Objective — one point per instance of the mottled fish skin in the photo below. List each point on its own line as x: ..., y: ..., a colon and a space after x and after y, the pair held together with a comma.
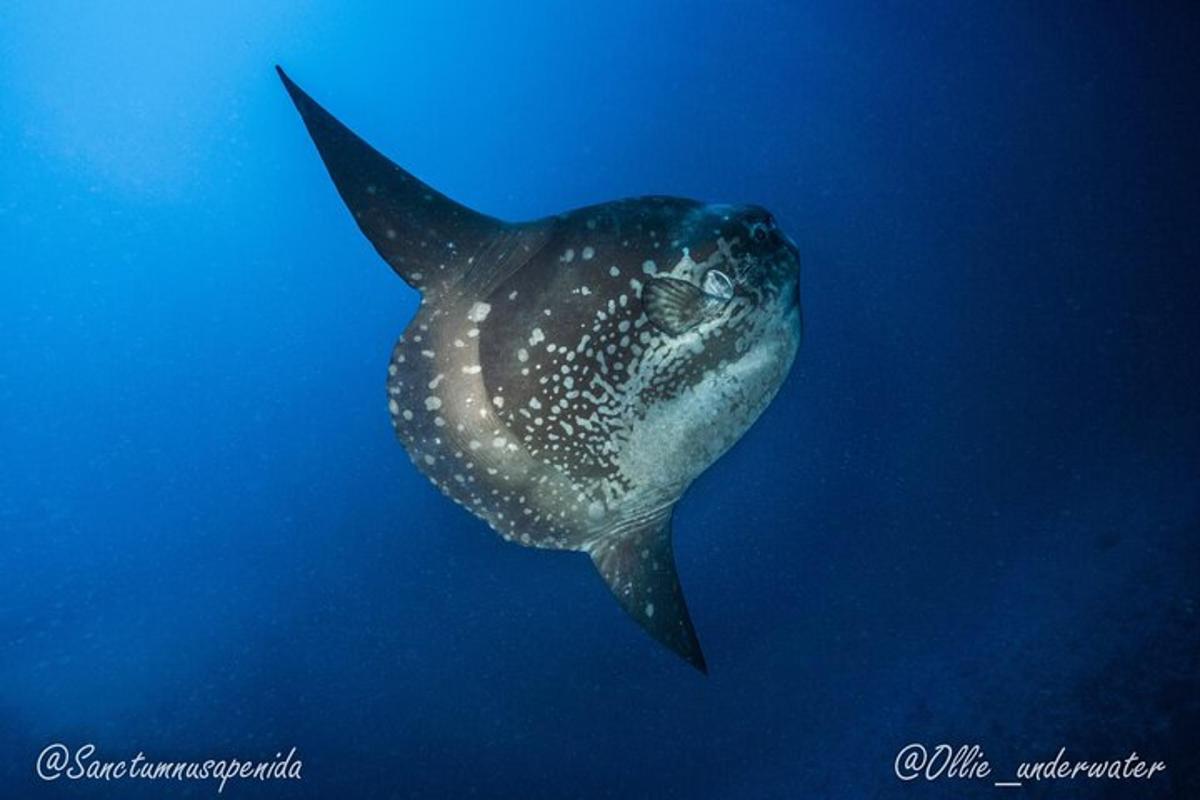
x: 537, y: 386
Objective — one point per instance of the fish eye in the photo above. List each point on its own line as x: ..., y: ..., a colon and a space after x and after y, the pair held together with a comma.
x: 717, y: 284
x: 760, y: 230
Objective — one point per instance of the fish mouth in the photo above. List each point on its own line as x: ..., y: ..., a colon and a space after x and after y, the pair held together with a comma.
x: 793, y: 315
x: 793, y: 299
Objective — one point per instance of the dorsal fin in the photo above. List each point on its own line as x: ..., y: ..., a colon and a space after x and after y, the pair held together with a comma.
x: 426, y: 237
x: 639, y: 567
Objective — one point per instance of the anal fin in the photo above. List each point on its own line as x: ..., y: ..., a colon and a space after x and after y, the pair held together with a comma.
x: 639, y: 568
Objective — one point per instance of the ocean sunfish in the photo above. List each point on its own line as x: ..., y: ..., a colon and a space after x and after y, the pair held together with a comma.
x: 566, y: 379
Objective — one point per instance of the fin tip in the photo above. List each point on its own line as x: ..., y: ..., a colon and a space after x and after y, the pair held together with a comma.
x: 298, y: 95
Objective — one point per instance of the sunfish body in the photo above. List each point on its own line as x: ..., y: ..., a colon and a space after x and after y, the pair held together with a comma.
x: 566, y: 379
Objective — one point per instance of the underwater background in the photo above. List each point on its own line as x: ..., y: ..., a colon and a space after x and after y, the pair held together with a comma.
x: 971, y: 516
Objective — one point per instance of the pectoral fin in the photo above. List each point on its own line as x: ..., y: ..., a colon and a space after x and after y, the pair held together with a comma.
x: 639, y: 568
x: 675, y: 306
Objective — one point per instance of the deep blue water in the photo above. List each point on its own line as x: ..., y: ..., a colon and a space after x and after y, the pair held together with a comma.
x: 971, y: 515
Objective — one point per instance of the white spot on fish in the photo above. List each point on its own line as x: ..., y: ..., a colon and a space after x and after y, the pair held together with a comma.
x: 479, y: 312
x: 433, y: 403
x: 588, y: 252
x: 536, y: 336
